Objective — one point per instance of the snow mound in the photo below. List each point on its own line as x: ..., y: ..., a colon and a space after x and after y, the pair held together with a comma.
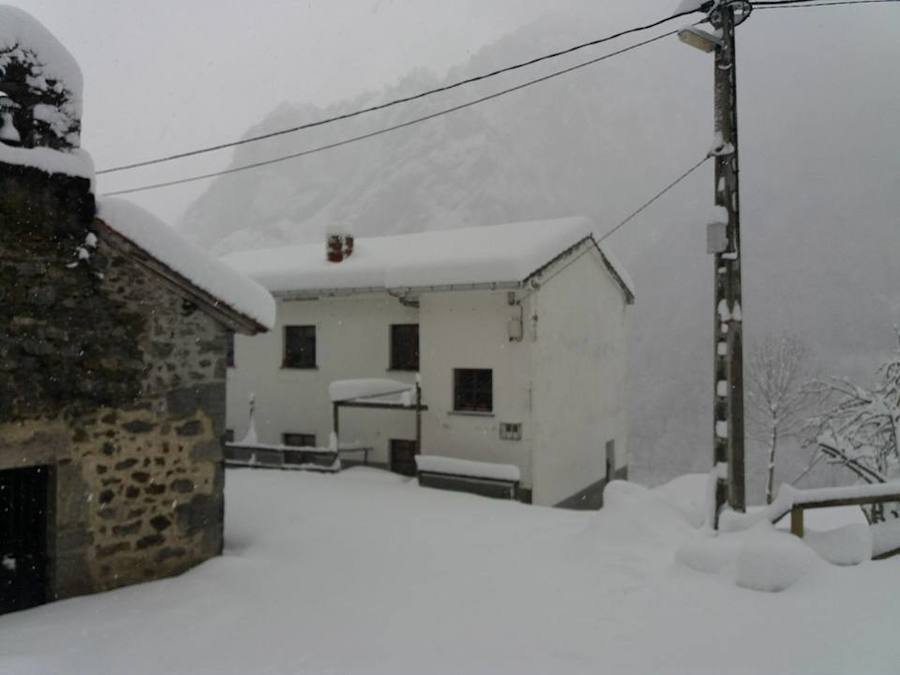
x: 687, y: 493
x: 772, y: 561
x: 189, y: 260
x: 848, y: 545
x: 632, y: 502
x: 707, y: 554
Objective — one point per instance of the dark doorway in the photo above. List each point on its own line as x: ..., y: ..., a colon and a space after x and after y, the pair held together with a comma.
x: 610, y: 460
x: 24, y: 497
x: 403, y: 457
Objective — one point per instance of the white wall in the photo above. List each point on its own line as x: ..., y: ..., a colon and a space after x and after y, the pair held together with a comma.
x: 564, y: 382
x: 352, y: 341
x: 580, y: 340
x: 468, y: 329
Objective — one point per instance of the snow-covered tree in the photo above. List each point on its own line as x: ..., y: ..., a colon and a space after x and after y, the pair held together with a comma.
x: 778, y: 394
x: 41, y: 83
x: 859, y: 428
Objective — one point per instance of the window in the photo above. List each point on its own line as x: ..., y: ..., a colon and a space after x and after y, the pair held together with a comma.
x: 229, y: 351
x: 473, y: 390
x: 299, y: 347
x: 228, y: 436
x: 405, y: 346
x: 299, y: 440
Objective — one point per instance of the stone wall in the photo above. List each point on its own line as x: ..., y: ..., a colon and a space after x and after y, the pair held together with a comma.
x: 110, y: 377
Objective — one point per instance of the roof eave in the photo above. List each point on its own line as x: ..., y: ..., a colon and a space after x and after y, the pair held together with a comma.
x: 315, y: 293
x: 215, y: 307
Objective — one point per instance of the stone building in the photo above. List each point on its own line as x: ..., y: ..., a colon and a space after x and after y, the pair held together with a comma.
x: 113, y: 348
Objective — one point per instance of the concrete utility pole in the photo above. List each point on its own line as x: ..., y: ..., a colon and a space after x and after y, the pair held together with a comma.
x: 724, y: 240
x: 728, y: 432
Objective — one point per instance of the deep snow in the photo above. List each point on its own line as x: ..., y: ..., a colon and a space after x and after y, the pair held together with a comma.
x: 364, y: 572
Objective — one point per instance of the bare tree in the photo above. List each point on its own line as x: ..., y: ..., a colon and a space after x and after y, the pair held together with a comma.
x: 859, y: 428
x: 778, y: 393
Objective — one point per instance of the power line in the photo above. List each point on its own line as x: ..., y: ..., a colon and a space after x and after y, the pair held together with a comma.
x: 395, y: 127
x: 398, y: 101
x: 650, y: 201
x: 800, y: 4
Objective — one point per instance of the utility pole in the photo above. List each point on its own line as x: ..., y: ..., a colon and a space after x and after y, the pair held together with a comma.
x: 728, y: 406
x: 724, y: 240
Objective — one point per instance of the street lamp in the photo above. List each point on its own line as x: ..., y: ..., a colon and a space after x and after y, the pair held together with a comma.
x: 700, y: 39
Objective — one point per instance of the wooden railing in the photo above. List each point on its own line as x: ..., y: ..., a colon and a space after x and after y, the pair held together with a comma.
x: 794, y: 501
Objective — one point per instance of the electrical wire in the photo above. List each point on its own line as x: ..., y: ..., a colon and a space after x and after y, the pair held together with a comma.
x: 778, y: 4
x: 395, y: 127
x: 830, y: 3
x: 405, y: 99
x: 655, y: 197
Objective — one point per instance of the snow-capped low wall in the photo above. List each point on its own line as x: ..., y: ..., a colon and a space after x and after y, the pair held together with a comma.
x: 466, y: 467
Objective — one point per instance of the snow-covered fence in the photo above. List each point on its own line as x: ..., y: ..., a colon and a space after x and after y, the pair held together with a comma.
x: 794, y: 501
x: 260, y: 455
x: 500, y: 481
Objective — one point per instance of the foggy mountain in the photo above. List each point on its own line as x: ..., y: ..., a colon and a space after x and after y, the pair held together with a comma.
x: 820, y: 161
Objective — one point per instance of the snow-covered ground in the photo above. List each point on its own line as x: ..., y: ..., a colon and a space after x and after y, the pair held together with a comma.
x: 364, y: 572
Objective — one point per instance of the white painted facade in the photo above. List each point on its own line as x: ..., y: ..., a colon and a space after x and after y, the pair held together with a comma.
x: 563, y: 381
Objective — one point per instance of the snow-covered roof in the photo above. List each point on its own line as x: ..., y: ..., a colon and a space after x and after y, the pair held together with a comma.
x: 164, y: 244
x: 493, y: 254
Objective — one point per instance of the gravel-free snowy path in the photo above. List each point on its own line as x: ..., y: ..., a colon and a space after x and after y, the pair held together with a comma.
x: 363, y: 572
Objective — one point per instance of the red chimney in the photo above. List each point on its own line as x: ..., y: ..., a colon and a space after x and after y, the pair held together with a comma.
x: 335, y: 248
x: 339, y: 245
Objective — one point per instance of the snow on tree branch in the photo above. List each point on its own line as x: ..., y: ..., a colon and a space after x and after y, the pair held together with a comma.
x: 859, y: 427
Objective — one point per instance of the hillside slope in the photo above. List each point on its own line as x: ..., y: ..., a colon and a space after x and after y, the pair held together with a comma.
x: 820, y: 171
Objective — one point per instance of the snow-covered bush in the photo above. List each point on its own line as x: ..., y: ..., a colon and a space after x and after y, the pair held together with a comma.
x: 859, y: 429
x: 42, y: 79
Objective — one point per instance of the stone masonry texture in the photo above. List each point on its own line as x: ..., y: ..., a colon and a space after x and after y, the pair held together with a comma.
x: 113, y: 380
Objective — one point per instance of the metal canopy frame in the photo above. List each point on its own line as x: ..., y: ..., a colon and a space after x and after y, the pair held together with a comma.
x: 356, y: 403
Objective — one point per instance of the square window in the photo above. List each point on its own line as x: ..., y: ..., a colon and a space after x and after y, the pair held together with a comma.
x: 299, y: 347
x: 298, y: 440
x: 473, y: 390
x: 405, y: 346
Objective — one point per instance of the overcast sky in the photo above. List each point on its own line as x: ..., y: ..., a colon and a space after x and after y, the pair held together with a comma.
x: 167, y: 75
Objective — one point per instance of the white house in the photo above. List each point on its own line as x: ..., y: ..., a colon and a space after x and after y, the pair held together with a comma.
x: 518, y: 333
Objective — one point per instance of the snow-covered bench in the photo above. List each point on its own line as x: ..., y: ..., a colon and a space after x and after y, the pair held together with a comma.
x: 794, y: 501
x: 462, y: 475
